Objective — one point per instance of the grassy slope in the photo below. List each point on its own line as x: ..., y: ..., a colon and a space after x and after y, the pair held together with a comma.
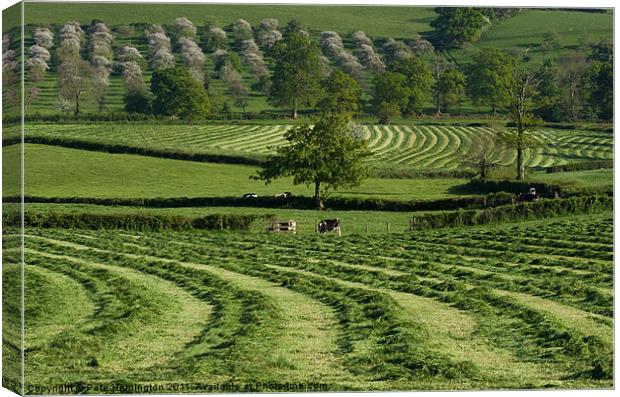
x: 53, y: 171
x: 11, y: 17
x: 407, y: 147
x: 597, y: 179
x: 399, y: 22
x: 527, y: 29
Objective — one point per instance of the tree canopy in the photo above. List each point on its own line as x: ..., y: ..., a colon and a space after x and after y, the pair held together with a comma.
x: 599, y: 81
x: 341, y: 94
x: 454, y: 26
x: 296, y: 80
x: 390, y: 95
x: 449, y: 89
x: 418, y: 83
x: 522, y: 90
x: 178, y: 94
x: 328, y: 155
x: 488, y: 77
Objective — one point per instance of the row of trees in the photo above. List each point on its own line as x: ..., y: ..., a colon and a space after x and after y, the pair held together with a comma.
x: 574, y: 86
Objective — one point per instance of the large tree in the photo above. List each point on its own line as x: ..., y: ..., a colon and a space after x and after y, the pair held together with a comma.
x: 418, y: 81
x: 572, y: 68
x: 390, y: 95
x: 455, y: 26
x: 296, y: 80
x: 522, y: 89
x: 177, y: 94
x: 487, y: 78
x: 548, y: 98
x: 599, y: 81
x: 449, y: 89
x: 341, y: 94
x: 73, y: 81
x: 328, y: 154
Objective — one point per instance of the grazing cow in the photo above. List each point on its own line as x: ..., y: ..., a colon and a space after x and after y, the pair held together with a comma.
x: 250, y: 195
x: 531, y: 196
x: 283, y: 195
x: 329, y: 225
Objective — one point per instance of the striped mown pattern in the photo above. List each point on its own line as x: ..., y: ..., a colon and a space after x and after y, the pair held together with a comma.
x: 422, y: 146
x: 512, y: 306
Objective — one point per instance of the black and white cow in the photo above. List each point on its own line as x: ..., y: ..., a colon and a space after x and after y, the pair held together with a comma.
x: 283, y: 195
x: 329, y: 225
x: 531, y: 196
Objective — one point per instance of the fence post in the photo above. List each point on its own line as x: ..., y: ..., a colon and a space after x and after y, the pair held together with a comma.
x: 388, y: 227
x: 221, y: 223
x: 366, y: 228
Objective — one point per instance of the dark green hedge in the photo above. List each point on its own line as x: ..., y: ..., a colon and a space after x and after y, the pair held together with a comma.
x: 405, y: 173
x: 581, y: 166
x: 144, y: 222
x: 128, y: 117
x: 124, y: 149
x: 297, y: 202
x: 516, y: 187
x: 521, y: 211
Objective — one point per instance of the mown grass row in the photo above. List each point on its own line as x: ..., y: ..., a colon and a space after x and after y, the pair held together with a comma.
x: 425, y: 147
x: 376, y: 343
x: 12, y: 310
x: 553, y: 337
x: 556, y: 340
x: 228, y: 344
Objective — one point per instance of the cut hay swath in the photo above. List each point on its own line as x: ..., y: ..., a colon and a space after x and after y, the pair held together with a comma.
x: 513, y: 306
x: 418, y: 147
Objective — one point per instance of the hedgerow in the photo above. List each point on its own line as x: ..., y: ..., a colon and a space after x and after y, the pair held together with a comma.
x: 150, y: 222
x: 521, y: 211
x: 581, y: 166
x: 297, y: 202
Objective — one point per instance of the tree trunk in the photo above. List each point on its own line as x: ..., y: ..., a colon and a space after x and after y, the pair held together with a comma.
x: 77, y: 104
x: 317, y: 195
x: 295, y: 108
x: 520, y: 163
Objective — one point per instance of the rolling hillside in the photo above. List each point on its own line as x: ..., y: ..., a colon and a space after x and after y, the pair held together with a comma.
x: 414, y: 147
x: 525, y: 30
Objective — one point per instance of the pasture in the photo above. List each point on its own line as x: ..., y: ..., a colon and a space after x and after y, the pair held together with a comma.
x: 353, y: 222
x: 80, y: 173
x: 512, y: 305
x: 430, y: 147
x: 524, y: 305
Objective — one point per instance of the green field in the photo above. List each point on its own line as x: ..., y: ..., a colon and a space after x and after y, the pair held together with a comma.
x: 513, y: 305
x: 353, y: 222
x: 404, y: 146
x: 399, y: 22
x: 79, y: 173
x: 597, y: 179
x: 516, y: 306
